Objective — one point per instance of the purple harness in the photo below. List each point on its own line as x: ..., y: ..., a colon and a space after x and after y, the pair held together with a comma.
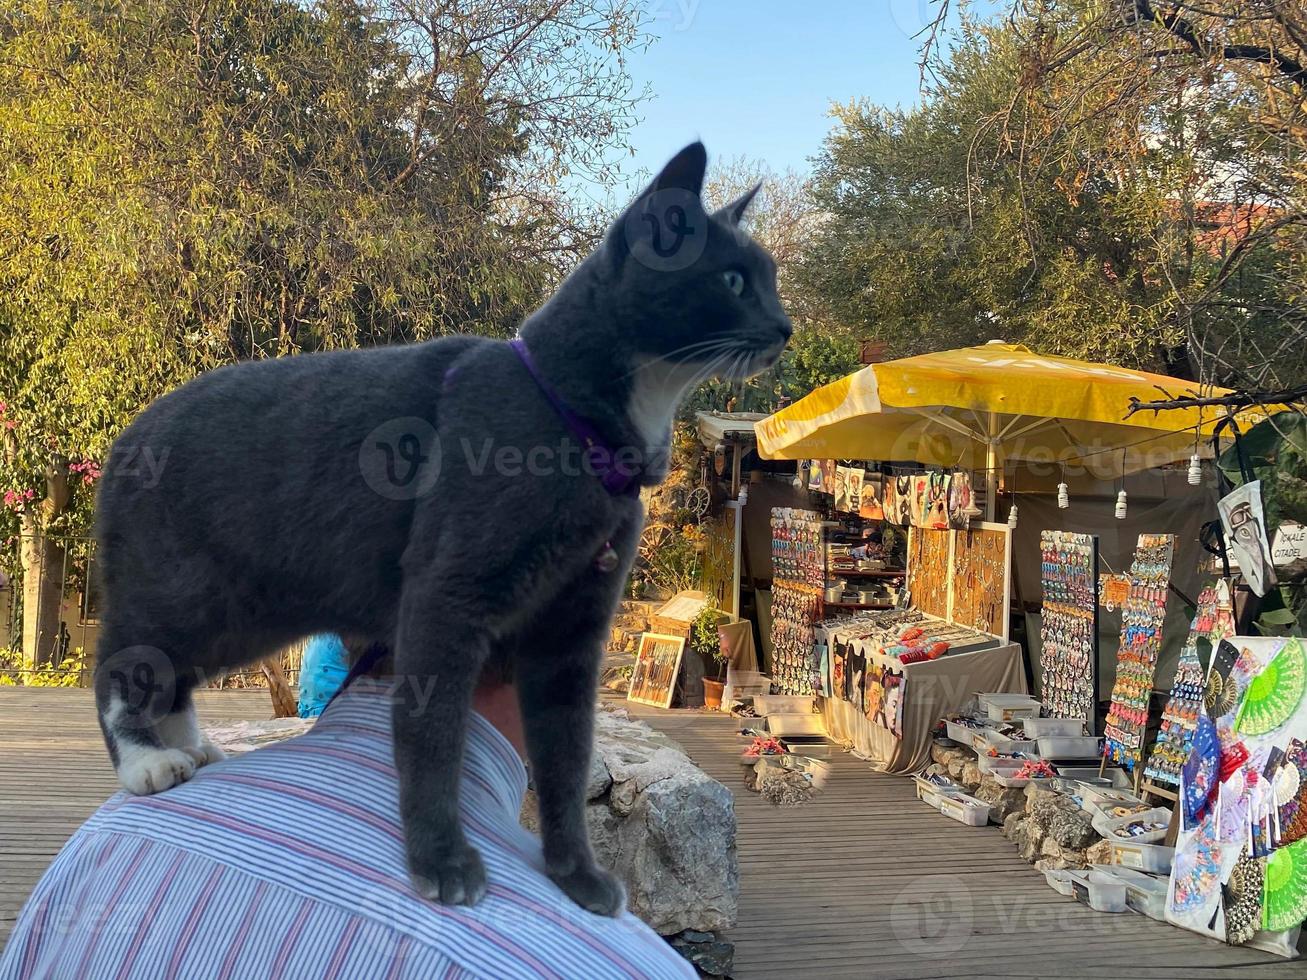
x: 619, y: 481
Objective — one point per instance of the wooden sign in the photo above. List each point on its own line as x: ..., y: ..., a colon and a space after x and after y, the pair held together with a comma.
x: 657, y: 662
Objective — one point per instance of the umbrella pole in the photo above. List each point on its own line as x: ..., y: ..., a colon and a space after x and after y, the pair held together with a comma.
x: 991, y: 469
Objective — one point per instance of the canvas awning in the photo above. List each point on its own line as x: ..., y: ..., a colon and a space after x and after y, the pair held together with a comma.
x: 979, y: 407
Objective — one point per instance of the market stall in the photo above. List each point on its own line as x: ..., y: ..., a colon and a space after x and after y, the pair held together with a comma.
x: 882, y: 693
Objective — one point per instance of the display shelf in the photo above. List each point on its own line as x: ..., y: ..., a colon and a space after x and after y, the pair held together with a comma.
x: 859, y: 605
x: 883, y: 573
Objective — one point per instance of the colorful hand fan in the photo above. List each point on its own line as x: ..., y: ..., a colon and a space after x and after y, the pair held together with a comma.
x: 1200, y: 772
x: 1220, y: 695
x: 1291, y: 795
x: 1243, y: 901
x: 1285, y: 899
x: 1197, y: 871
x: 1274, y: 695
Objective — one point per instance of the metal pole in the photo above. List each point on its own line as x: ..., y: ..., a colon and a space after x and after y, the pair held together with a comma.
x: 991, y: 469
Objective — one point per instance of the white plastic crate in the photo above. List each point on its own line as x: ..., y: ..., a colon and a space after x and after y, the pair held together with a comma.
x: 1069, y: 747
x: 1101, y: 892
x: 992, y: 765
x: 1144, y: 893
x: 1152, y: 858
x: 1111, y: 827
x: 965, y: 809
x: 962, y: 734
x: 782, y: 704
x: 1049, y: 727
x: 1008, y: 707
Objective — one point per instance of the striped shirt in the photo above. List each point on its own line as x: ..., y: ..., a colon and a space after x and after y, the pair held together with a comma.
x: 289, y: 862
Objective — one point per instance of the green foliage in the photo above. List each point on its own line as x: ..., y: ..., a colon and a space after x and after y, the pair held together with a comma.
x: 187, y: 185
x: 675, y: 565
x: 703, y: 635
x: 1063, y: 186
x: 69, y: 673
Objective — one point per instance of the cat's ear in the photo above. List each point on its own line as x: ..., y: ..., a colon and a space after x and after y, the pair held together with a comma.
x: 666, y: 226
x: 733, y: 213
x: 684, y: 171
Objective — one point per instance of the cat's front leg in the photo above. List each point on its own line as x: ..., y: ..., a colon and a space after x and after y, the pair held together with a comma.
x: 437, y: 662
x: 557, y: 671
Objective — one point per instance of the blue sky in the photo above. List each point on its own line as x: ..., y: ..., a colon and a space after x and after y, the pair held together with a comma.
x: 756, y: 78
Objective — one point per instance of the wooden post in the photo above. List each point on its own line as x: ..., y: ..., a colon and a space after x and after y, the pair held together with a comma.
x: 283, y: 699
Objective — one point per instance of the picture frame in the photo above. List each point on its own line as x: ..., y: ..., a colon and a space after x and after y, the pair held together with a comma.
x: 657, y: 665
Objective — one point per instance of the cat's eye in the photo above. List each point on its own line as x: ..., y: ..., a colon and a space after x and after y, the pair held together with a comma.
x: 734, y: 280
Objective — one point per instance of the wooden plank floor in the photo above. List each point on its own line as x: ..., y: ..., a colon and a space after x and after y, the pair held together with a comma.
x: 863, y: 881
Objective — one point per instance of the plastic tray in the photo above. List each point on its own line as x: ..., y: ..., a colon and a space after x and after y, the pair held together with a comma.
x: 991, y: 738
x: 929, y: 792
x: 1044, y: 727
x: 780, y: 704
x: 1089, y: 774
x: 1153, y: 858
x: 961, y: 734
x: 964, y: 809
x: 1097, y: 889
x: 1009, y: 707
x: 1070, y: 747
x: 1108, y: 826
x: 1059, y: 881
x: 1144, y: 893
x: 795, y: 724
x: 1012, y: 782
x: 992, y: 765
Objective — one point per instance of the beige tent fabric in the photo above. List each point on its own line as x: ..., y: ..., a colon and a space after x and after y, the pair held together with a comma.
x: 933, y: 689
x: 737, y: 643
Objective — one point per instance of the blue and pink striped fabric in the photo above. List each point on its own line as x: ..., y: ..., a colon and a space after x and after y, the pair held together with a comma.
x: 288, y: 862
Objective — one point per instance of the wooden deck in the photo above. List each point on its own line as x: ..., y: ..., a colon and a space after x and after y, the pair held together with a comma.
x: 863, y: 881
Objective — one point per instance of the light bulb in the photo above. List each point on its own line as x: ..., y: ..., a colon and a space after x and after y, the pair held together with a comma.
x: 1195, y: 470
x: 1012, y: 516
x: 1120, y: 506
x: 1063, y: 496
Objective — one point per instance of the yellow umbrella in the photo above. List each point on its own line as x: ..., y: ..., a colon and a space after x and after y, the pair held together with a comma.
x: 979, y: 407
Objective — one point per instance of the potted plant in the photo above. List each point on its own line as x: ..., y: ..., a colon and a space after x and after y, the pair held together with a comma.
x: 707, y: 644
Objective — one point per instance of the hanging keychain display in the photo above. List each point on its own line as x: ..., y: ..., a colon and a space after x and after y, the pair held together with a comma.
x: 1213, y: 621
x: 798, y: 577
x: 1068, y: 654
x: 1141, y: 641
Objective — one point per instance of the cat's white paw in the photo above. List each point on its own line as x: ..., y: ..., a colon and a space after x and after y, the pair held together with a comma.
x: 144, y: 771
x: 205, y: 753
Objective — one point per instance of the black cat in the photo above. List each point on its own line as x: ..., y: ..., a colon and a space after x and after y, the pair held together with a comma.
x: 447, y: 499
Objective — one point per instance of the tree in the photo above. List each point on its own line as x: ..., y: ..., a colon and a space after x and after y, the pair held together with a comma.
x: 192, y: 182
x: 1087, y: 179
x: 1208, y: 104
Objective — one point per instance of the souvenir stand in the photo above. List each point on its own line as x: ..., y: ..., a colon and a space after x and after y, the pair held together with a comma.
x: 888, y: 660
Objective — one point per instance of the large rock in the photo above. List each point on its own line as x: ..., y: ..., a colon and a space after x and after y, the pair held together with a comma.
x: 1029, y: 838
x: 665, y: 828
x: 1071, y: 827
x: 1012, y: 824
x: 1056, y: 857
x: 1003, y: 801
x: 971, y: 775
x: 1100, y: 853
